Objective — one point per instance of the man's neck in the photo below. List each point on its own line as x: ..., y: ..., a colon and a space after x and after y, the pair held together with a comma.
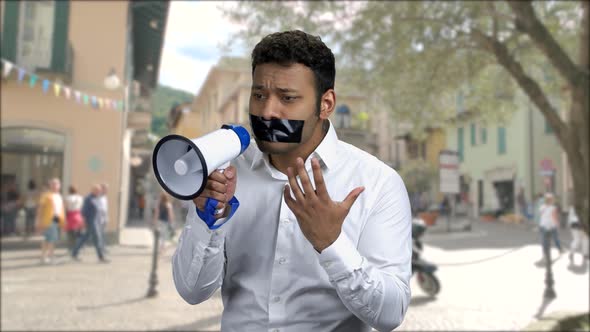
x: 282, y: 161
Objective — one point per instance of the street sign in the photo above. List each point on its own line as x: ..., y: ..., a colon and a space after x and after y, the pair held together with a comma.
x: 449, y: 172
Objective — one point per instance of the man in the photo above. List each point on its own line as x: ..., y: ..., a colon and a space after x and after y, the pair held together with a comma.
x: 50, y: 219
x: 11, y: 204
x: 548, y: 223
x: 309, y: 256
x: 103, y: 207
x: 91, y: 214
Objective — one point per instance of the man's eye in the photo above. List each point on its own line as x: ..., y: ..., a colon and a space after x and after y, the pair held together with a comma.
x: 257, y: 95
x: 289, y: 98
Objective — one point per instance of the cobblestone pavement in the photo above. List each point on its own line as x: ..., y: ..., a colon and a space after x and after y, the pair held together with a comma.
x: 489, y: 282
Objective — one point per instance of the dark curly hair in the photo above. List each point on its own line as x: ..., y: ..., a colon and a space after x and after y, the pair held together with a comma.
x: 296, y: 46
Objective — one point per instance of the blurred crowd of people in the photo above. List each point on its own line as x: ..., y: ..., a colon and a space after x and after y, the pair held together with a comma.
x: 44, y: 211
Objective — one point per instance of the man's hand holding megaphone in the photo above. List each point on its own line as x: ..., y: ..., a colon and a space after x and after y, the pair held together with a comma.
x: 221, y: 186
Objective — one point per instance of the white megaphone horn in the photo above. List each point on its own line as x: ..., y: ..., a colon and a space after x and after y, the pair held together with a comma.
x: 182, y: 165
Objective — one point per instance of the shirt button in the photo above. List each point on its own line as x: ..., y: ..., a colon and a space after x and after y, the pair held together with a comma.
x: 282, y: 261
x: 276, y: 299
x: 285, y: 221
x: 275, y: 330
x: 326, y: 264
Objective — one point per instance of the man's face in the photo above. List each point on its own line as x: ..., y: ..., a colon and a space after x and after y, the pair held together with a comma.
x: 284, y: 92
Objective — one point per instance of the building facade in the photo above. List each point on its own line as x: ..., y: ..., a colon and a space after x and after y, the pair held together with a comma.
x: 498, y: 159
x: 59, y: 117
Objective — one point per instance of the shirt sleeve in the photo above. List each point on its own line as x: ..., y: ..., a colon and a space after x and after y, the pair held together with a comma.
x: 198, y: 263
x: 372, y: 279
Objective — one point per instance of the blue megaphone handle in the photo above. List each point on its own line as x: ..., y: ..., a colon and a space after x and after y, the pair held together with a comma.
x: 208, y: 215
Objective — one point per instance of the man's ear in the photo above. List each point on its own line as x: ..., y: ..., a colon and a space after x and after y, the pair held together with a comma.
x: 327, y: 104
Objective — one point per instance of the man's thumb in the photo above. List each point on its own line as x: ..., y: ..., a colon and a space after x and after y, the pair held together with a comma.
x: 352, y: 196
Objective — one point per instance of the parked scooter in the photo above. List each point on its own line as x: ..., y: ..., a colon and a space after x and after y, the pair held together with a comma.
x: 424, y: 270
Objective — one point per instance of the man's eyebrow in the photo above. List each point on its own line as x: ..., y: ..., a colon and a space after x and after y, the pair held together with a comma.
x: 282, y: 90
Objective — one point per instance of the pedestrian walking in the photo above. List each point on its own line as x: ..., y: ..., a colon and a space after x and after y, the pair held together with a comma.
x: 549, y: 222
x: 74, y: 220
x: 50, y: 219
x: 90, y: 213
x: 31, y: 201
x: 579, y: 237
x: 11, y: 204
x: 103, y: 207
x: 163, y: 220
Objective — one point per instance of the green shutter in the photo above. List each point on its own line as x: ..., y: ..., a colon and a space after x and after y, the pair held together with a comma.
x: 10, y: 29
x: 60, y: 35
x: 473, y: 134
x: 460, y: 143
x: 501, y: 140
x: 484, y: 135
x: 548, y: 128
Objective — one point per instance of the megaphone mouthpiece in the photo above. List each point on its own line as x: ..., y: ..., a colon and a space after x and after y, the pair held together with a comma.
x: 189, y: 163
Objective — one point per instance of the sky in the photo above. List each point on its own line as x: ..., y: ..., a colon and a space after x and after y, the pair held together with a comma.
x: 194, y: 31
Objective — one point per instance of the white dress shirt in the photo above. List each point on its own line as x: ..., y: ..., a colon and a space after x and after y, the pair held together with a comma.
x: 271, y: 277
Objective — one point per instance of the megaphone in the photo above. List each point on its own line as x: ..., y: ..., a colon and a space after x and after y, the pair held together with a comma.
x: 182, y: 165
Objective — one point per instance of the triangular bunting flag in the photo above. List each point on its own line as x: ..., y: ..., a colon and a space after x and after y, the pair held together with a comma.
x: 77, y: 95
x: 32, y: 80
x: 67, y: 92
x: 93, y: 101
x: 56, y: 89
x: 6, y: 68
x: 21, y: 74
x: 100, y: 103
x: 45, y: 86
x: 85, y: 99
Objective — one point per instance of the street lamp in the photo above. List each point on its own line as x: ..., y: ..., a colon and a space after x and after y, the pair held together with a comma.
x: 153, y: 282
x: 112, y: 81
x: 549, y: 293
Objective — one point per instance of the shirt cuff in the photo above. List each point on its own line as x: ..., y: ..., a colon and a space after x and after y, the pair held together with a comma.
x: 198, y: 230
x: 341, y: 258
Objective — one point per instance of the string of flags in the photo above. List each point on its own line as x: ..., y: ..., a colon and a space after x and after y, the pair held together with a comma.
x: 60, y: 89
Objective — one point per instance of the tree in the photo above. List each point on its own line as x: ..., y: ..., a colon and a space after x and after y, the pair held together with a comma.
x: 416, y: 57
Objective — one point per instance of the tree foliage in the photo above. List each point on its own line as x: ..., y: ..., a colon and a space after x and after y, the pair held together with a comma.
x: 424, y: 59
x: 163, y: 99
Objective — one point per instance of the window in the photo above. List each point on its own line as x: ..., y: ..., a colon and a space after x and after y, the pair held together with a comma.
x: 501, y: 140
x: 35, y: 34
x: 473, y: 135
x: 548, y: 128
x: 343, y: 115
x: 483, y: 132
x: 460, y: 142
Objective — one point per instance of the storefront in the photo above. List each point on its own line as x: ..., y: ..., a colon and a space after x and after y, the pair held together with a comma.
x: 32, y: 154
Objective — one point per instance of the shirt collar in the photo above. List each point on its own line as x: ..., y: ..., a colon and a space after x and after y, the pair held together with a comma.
x: 326, y: 152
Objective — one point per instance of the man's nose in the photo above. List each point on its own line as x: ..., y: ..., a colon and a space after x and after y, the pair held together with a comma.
x: 270, y: 109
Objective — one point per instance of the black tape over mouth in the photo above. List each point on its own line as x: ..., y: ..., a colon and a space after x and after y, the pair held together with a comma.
x: 277, y: 130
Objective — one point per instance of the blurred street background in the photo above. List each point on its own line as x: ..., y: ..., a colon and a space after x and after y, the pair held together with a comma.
x: 481, y: 107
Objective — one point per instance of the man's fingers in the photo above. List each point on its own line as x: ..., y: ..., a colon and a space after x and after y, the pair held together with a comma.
x: 215, y: 195
x: 216, y: 186
x: 294, y: 185
x: 318, y: 178
x: 218, y: 176
x: 352, y: 196
x: 288, y: 198
x: 305, y: 182
x: 230, y: 172
x: 200, y: 203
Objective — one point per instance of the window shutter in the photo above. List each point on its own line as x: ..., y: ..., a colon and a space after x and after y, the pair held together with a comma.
x: 10, y: 29
x: 60, y: 35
